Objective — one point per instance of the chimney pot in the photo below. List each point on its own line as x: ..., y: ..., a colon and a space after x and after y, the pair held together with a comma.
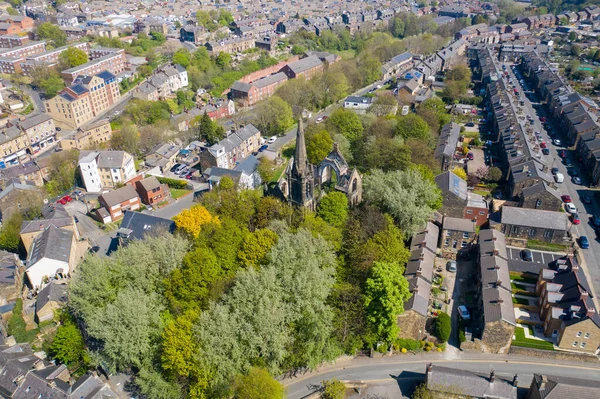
x: 515, y: 380
x: 492, y: 376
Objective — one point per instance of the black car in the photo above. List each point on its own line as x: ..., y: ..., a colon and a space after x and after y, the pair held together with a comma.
x: 573, y: 172
x: 546, y: 151
x: 470, y: 124
x: 95, y: 249
x: 175, y: 167
x: 568, y: 162
x: 555, y: 171
x: 526, y: 255
x: 58, y: 129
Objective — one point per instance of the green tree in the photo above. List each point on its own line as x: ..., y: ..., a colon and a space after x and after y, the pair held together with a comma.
x: 258, y: 384
x: 127, y: 139
x: 333, y: 208
x: 334, y: 389
x: 386, y: 290
x: 49, y: 31
x: 68, y: 346
x: 10, y: 237
x: 443, y: 327
x: 347, y: 123
x: 179, y: 346
x: 182, y: 57
x: 223, y: 59
x: 12, y: 11
x: 207, y: 130
x: 349, y: 323
x: 274, y: 116
x: 72, y: 57
x: 572, y: 36
x: 63, y: 171
x: 406, y: 195
x: 256, y: 247
x: 494, y: 174
x: 385, y: 154
x: 412, y: 126
x: 318, y: 145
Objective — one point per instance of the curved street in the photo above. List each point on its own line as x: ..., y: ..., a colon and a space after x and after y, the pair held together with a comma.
x: 404, y: 372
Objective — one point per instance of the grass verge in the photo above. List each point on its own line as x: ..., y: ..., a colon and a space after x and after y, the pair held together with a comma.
x: 519, y: 278
x: 178, y: 192
x: 545, y: 246
x: 520, y: 340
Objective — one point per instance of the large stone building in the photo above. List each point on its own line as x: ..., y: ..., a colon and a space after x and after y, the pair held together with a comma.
x: 90, y: 136
x: 238, y: 145
x: 86, y: 99
x: 113, y: 62
x: 302, y: 183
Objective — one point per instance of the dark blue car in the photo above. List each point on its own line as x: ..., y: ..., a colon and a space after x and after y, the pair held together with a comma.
x: 583, y: 242
x: 263, y: 147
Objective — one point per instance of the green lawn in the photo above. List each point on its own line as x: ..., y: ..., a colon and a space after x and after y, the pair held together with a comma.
x: 520, y: 340
x: 519, y: 278
x: 544, y: 246
x: 178, y: 192
x: 520, y: 301
x: 517, y: 287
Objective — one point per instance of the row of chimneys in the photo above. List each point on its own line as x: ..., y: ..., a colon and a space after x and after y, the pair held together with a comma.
x: 492, y: 377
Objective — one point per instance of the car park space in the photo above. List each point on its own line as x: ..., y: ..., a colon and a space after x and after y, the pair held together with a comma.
x: 538, y: 256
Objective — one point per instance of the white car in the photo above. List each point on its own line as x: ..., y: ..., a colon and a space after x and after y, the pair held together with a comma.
x: 571, y: 208
x: 272, y: 139
x: 319, y: 119
x: 464, y: 312
x: 557, y: 142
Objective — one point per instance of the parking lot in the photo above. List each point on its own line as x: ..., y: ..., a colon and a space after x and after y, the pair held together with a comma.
x: 538, y: 256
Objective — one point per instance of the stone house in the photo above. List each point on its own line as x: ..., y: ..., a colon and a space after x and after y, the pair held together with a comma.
x: 457, y: 235
x: 306, y: 67
x: 540, y: 196
x: 567, y: 307
x: 397, y: 65
x: 163, y: 156
x: 55, y: 215
x: 534, y: 224
x: 454, y: 192
x: 25, y: 172
x: 52, y: 255
x: 445, y: 382
x: 551, y: 387
x: 476, y: 209
x: 18, y: 197
x: 235, y: 147
x: 447, y: 144
x: 251, y: 93
x: 526, y: 174
x: 11, y: 277
x: 91, y: 136
x: 419, y: 273
x: 496, y: 316
x: 114, y: 203
x: 104, y: 170
x: 52, y: 297
x: 232, y: 46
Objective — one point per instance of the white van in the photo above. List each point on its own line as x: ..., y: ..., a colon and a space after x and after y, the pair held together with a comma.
x: 559, y: 177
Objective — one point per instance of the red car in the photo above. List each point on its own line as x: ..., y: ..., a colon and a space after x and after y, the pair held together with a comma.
x: 575, y: 218
x: 543, y: 144
x: 566, y: 199
x: 64, y: 200
x: 542, y: 119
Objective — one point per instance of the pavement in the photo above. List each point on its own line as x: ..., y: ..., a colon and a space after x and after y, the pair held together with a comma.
x: 174, y: 208
x: 592, y: 254
x: 410, y: 369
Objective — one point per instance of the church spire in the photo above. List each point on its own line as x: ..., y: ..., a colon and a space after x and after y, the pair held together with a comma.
x: 300, y: 158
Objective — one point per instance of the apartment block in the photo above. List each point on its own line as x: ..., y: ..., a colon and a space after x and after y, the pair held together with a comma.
x: 48, y: 58
x: 261, y: 89
x: 230, y: 46
x: 87, y: 98
x: 12, y: 41
x: 104, y: 170
x: 114, y: 63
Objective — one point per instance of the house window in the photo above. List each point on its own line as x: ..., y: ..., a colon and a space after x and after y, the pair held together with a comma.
x: 548, y: 233
x: 469, y: 212
x: 481, y: 212
x: 465, y: 235
x: 582, y: 345
x: 446, y: 242
x: 587, y: 335
x: 531, y: 232
x: 454, y: 244
x: 578, y: 334
x: 575, y: 343
x: 515, y: 229
x: 463, y: 244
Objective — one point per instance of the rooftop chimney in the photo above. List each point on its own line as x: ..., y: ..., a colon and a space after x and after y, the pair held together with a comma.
x: 543, y: 383
x: 498, y: 283
x: 500, y: 300
x: 422, y: 256
x: 590, y: 312
x: 494, y: 238
x: 495, y: 252
x: 419, y: 272
x: 492, y: 376
x: 515, y: 380
x: 497, y: 266
x: 429, y: 371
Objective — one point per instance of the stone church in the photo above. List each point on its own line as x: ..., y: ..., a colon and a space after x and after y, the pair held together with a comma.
x: 302, y: 183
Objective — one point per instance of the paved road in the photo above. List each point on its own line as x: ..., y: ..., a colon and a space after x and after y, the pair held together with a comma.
x: 173, y: 209
x: 591, y: 255
x: 379, y: 370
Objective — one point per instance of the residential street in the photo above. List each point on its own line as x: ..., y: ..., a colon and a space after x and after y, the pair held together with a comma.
x: 592, y: 254
x: 407, y: 366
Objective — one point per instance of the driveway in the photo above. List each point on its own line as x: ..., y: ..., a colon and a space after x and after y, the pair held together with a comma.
x: 538, y: 256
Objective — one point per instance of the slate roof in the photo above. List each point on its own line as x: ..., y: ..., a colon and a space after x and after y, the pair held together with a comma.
x: 421, y: 291
x: 248, y: 166
x: 53, y: 243
x: 53, y: 292
x: 235, y: 138
x: 42, y: 224
x: 448, y: 182
x: 470, y: 384
x: 15, y: 361
x: 16, y: 185
x: 448, y: 140
x: 34, y: 120
x: 105, y: 159
x: 150, y: 183
x: 560, y: 387
x: 427, y: 238
x: 459, y: 224
x: 9, y: 263
x: 490, y: 240
x: 141, y: 224
x: 119, y: 196
x: 304, y: 64
x: 534, y: 218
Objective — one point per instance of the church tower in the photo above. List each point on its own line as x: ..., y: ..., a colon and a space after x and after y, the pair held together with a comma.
x: 301, y: 175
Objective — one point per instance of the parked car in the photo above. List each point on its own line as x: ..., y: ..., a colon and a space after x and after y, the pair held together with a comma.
x: 542, y: 119
x: 319, y: 119
x: 527, y: 255
x: 543, y: 144
x: 562, y: 154
x: 584, y: 243
x: 575, y: 218
x: 596, y: 220
x: 451, y: 265
x: 545, y: 151
x: 566, y: 199
x: 568, y: 162
x: 464, y: 312
x: 576, y: 180
x: 188, y: 176
x: 469, y: 124
x: 58, y: 129
x: 557, y: 142
x: 470, y: 156
x: 64, y: 200
x: 263, y: 147
x: 272, y: 139
x: 175, y: 167
x: 555, y: 171
x: 571, y: 208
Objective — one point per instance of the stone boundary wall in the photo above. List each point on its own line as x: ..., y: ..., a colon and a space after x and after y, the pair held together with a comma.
x: 558, y: 355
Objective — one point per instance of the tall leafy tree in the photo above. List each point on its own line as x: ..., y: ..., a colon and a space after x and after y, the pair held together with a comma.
x: 318, y: 145
x: 386, y: 290
x: 412, y: 126
x: 258, y: 384
x: 347, y: 123
x: 47, y: 30
x: 333, y: 208
x: 72, y: 57
x: 274, y: 116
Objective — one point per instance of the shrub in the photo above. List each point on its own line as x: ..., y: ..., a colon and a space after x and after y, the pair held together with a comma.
x: 333, y: 389
x: 407, y: 343
x: 443, y: 327
x: 461, y: 336
x: 172, y: 183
